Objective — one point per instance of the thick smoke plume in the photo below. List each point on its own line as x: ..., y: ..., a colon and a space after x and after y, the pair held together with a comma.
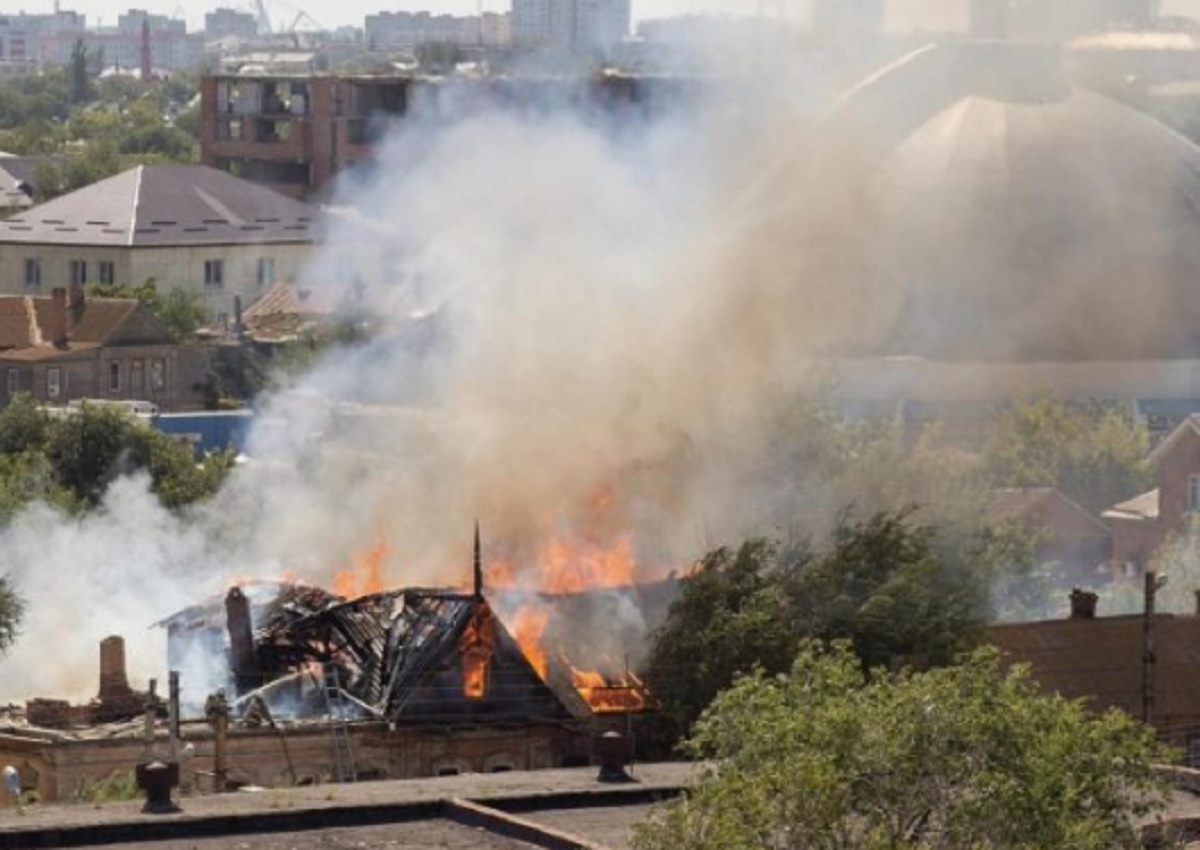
x: 585, y: 322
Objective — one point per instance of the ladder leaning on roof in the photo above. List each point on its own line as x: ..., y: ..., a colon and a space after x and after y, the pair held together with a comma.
x: 339, y: 731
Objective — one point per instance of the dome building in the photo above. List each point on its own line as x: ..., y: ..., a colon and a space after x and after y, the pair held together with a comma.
x: 1014, y: 216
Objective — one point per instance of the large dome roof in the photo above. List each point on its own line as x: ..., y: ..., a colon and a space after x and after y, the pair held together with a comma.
x: 1017, y: 216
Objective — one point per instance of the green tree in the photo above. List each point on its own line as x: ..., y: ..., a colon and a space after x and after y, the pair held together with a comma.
x: 1094, y: 454
x: 181, y: 311
x: 731, y: 617
x: 80, y: 81
x: 900, y: 594
x: 968, y: 756
x: 89, y: 449
x: 12, y: 607
x: 24, y: 426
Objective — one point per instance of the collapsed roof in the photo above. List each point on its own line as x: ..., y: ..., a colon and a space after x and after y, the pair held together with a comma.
x: 413, y: 656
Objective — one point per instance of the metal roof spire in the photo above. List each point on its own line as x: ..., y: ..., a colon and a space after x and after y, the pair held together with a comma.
x: 478, y: 565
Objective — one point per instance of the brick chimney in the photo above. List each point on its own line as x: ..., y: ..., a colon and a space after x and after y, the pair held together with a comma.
x: 58, y: 317
x: 1083, y: 604
x: 113, y: 681
x: 76, y: 301
x: 243, y: 656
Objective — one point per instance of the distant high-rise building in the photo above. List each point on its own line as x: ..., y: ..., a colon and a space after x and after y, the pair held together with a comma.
x: 406, y: 30
x: 583, y: 27
x: 225, y: 23
x: 171, y: 46
x: 33, y: 40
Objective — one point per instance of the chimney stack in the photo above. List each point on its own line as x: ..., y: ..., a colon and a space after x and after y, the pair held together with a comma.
x: 147, y: 70
x: 243, y: 657
x: 58, y: 317
x: 113, y: 681
x: 76, y: 298
x: 1083, y: 604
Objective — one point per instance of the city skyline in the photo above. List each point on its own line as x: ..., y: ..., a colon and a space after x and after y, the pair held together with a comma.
x: 352, y: 12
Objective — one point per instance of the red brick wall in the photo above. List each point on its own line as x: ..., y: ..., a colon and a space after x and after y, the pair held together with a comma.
x: 1172, y: 473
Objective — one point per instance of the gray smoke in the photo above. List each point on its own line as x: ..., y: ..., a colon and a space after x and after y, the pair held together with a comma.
x: 586, y: 323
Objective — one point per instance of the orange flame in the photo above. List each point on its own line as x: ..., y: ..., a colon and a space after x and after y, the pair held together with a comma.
x: 605, y: 696
x: 475, y: 648
x: 527, y: 627
x: 570, y: 566
x: 366, y: 574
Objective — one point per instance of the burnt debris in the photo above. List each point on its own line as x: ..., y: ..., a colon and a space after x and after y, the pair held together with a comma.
x: 411, y: 656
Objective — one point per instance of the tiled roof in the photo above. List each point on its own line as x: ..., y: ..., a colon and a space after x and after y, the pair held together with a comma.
x: 102, y: 316
x: 26, y: 325
x: 1043, y: 507
x: 17, y: 326
x: 1190, y: 425
x: 165, y: 205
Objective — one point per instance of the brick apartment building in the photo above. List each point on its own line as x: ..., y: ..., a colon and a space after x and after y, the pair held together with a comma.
x: 295, y: 132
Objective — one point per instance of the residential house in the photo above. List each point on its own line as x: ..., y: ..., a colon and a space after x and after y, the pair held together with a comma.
x: 65, y: 347
x: 1106, y: 661
x: 183, y: 226
x: 1142, y: 524
x: 1063, y: 532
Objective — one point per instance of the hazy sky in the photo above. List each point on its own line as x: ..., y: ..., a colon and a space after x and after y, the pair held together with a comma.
x: 330, y: 13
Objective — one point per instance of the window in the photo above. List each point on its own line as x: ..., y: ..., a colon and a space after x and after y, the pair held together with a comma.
x: 114, y: 377
x: 266, y: 271
x: 52, y: 382
x: 107, y: 272
x: 1193, y: 503
x: 33, y: 273
x: 214, y: 273
x: 14, y: 381
x: 229, y: 129
x: 78, y: 272
x: 158, y: 375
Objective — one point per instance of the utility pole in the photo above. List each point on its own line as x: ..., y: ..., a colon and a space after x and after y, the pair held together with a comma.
x: 1153, y: 584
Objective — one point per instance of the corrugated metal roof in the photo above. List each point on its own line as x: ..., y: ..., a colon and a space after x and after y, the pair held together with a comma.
x: 165, y: 205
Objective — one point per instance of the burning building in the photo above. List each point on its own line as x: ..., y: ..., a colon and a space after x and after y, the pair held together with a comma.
x: 316, y: 686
